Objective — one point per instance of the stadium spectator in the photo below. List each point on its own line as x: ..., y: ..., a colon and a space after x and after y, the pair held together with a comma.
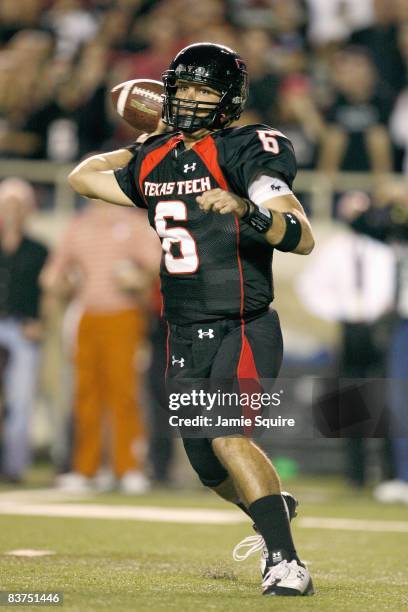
x: 56, y: 374
x: 403, y: 45
x: 71, y: 122
x: 160, y: 37
x: 381, y: 42
x: 110, y: 255
x: 270, y: 14
x: 21, y: 261
x: 299, y: 118
x: 399, y: 127
x: 351, y: 295
x: 161, y: 443
x: 399, y: 116
x: 114, y: 29
x: 71, y: 24
x: 332, y: 22
x: 224, y: 32
x: 357, y: 137
x: 258, y: 49
x: 21, y: 92
x: 194, y: 17
x: 288, y: 51
x: 13, y: 19
x: 388, y: 222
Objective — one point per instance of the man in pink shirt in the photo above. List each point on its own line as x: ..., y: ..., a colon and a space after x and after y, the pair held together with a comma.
x: 110, y: 256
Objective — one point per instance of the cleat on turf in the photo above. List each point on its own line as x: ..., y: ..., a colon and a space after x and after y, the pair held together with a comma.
x: 287, y: 578
x: 254, y: 543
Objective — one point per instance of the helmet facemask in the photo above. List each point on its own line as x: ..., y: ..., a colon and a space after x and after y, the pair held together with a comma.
x: 187, y: 115
x: 190, y: 115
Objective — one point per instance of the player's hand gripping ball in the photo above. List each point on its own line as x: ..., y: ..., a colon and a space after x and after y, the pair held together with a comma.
x: 139, y: 102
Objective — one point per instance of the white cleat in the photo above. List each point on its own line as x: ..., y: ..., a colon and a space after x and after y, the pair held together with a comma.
x: 287, y: 579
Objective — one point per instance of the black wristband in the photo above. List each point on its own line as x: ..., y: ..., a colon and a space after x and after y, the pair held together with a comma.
x: 255, y: 217
x: 293, y: 234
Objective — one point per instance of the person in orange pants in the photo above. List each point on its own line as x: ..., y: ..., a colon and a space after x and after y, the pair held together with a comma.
x: 113, y: 256
x: 106, y: 386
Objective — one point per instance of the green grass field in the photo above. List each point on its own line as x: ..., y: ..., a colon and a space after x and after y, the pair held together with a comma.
x: 132, y: 565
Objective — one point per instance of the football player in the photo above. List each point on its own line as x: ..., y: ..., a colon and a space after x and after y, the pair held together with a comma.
x: 220, y: 199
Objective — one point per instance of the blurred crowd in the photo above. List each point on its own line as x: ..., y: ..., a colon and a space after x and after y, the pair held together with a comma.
x: 331, y: 74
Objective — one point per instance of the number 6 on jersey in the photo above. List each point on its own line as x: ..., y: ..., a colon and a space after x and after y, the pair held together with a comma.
x: 269, y: 141
x: 187, y: 262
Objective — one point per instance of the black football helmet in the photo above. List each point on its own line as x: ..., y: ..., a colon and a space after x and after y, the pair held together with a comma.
x: 216, y: 66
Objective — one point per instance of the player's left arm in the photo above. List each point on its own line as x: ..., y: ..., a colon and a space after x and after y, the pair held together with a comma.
x: 289, y: 228
x: 288, y: 204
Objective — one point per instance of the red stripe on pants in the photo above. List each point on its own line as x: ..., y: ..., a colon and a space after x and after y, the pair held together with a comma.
x: 248, y: 377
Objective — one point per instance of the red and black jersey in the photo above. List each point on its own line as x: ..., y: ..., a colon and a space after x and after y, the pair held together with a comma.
x: 213, y: 266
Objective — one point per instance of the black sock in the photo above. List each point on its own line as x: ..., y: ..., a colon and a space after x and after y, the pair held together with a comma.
x: 242, y: 507
x: 269, y: 514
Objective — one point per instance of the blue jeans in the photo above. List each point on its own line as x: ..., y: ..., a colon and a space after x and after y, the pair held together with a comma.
x: 19, y: 386
x: 398, y: 397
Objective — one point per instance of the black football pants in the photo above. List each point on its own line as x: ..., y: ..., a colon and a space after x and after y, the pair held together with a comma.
x: 221, y: 354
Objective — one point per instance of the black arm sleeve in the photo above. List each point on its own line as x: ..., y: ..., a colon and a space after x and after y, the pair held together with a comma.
x: 127, y: 180
x: 255, y: 148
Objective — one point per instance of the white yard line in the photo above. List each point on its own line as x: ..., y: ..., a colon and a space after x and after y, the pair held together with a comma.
x: 201, y: 516
x: 34, y: 495
x: 132, y: 513
x: 313, y: 522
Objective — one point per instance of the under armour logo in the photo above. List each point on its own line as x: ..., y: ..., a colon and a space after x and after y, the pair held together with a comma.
x: 179, y: 361
x: 276, y: 557
x: 276, y: 187
x: 192, y: 167
x: 202, y: 333
x: 292, y: 220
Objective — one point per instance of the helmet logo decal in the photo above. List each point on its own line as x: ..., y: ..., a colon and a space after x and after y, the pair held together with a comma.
x: 240, y: 63
x: 199, y: 71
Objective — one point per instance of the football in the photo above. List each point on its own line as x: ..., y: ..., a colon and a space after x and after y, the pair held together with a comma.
x: 139, y: 103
